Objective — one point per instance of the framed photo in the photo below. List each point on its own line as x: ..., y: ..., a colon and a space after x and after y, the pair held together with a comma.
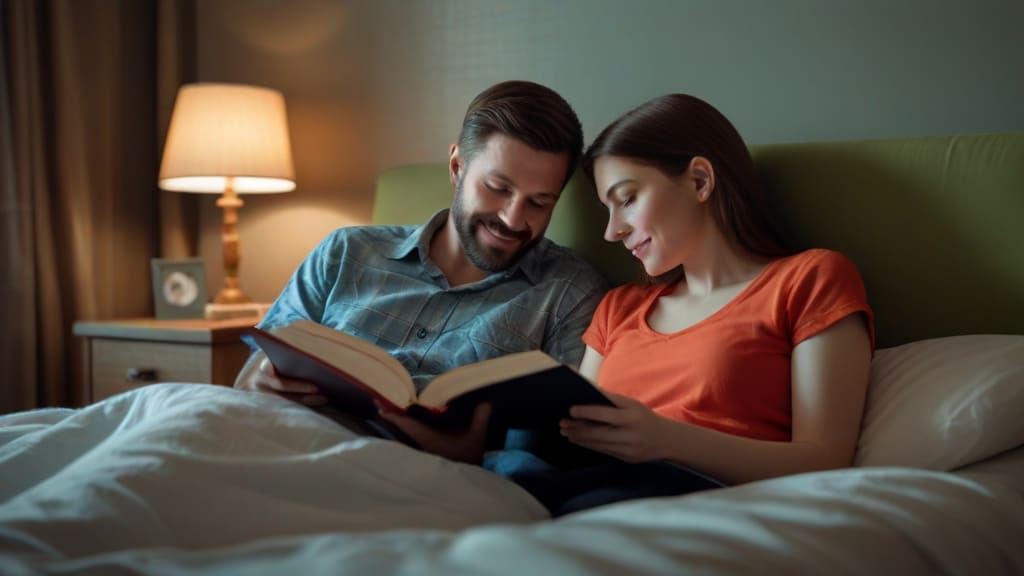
x: 179, y: 287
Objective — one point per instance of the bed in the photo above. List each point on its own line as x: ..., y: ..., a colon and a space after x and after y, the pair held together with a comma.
x: 182, y: 478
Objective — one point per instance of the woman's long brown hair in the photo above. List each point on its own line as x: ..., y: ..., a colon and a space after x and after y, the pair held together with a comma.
x: 668, y: 132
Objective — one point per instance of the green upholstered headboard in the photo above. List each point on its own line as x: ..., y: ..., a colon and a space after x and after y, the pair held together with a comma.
x: 936, y: 225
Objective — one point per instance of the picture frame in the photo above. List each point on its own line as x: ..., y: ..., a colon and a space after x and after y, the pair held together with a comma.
x: 179, y: 287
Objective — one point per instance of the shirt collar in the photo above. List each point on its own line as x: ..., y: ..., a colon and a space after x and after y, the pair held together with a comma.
x: 419, y: 241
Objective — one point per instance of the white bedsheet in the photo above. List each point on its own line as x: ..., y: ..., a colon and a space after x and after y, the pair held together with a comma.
x: 199, y: 479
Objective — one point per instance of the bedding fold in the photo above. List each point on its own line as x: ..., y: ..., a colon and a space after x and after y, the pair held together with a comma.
x: 195, y: 466
x: 185, y: 479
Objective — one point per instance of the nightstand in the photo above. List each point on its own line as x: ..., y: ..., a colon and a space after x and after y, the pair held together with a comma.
x: 120, y: 355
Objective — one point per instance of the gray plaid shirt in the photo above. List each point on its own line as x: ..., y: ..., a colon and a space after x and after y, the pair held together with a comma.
x: 378, y: 283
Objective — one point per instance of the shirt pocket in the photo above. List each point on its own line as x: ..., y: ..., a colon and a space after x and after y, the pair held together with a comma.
x: 498, y: 337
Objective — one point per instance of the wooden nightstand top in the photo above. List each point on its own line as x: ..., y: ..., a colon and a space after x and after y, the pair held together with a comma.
x: 191, y: 330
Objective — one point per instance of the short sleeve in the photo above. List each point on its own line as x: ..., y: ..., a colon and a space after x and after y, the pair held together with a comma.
x: 826, y: 287
x: 614, y: 314
x: 596, y: 335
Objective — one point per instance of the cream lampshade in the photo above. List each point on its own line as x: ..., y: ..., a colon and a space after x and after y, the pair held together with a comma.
x: 228, y: 139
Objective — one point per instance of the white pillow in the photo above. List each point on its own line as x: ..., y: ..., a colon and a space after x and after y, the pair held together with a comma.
x: 944, y: 403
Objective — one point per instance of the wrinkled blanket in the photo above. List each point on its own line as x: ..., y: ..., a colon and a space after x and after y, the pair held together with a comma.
x: 184, y: 478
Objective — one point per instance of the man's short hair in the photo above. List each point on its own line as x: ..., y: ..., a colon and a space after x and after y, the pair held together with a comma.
x: 529, y: 112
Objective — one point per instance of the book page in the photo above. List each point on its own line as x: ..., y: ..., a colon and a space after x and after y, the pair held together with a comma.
x: 368, y: 363
x: 479, y: 374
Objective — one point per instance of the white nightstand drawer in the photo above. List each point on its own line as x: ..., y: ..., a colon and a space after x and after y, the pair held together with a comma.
x: 120, y: 355
x: 120, y: 365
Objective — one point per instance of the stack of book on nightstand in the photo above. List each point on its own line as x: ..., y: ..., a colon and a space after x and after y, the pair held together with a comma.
x: 223, y: 311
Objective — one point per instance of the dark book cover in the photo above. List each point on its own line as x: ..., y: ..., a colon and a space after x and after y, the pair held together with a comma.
x: 533, y: 402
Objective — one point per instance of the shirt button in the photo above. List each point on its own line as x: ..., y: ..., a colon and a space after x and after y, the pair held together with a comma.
x: 422, y: 333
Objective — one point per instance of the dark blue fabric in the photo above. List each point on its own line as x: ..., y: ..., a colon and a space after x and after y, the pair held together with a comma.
x: 566, y: 491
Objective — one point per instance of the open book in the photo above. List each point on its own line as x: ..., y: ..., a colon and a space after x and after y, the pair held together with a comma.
x: 528, y: 390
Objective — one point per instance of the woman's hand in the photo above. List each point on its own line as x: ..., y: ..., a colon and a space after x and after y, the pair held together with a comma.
x: 258, y: 375
x: 629, y: 431
x: 462, y: 446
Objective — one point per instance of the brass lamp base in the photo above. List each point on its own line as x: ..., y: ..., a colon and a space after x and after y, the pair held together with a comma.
x: 231, y: 292
x: 231, y: 295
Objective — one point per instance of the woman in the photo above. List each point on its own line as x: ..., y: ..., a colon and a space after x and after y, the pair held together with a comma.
x: 748, y: 363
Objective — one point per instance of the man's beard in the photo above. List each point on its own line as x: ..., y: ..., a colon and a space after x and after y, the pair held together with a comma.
x: 484, y: 257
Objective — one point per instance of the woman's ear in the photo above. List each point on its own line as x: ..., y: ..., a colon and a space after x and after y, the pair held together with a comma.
x: 703, y: 175
x: 454, y: 164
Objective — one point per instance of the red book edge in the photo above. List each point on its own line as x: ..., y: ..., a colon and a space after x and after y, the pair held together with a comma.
x: 256, y: 333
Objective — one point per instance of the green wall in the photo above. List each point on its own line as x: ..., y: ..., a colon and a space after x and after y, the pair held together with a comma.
x: 374, y: 83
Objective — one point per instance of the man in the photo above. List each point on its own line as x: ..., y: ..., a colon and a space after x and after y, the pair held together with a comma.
x: 476, y: 281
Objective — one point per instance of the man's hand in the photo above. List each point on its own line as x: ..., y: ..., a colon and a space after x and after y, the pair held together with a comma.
x: 463, y: 446
x: 629, y: 431
x: 258, y: 375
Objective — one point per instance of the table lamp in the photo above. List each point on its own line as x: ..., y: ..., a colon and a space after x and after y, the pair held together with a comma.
x: 228, y: 139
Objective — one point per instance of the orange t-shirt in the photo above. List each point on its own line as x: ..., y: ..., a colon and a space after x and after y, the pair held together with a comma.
x: 730, y: 371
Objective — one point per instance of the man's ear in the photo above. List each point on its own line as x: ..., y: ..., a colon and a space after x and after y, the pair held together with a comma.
x: 455, y: 165
x: 703, y: 174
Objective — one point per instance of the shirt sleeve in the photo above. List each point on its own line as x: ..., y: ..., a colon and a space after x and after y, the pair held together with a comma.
x: 826, y: 289
x: 598, y: 332
x: 565, y: 344
x: 305, y: 294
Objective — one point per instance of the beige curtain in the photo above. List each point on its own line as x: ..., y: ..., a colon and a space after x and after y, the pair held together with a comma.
x: 175, y: 65
x: 82, y: 107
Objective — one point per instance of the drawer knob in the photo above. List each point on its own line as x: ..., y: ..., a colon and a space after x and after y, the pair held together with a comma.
x: 140, y: 375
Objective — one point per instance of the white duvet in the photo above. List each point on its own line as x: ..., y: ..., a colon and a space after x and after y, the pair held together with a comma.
x: 180, y: 478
